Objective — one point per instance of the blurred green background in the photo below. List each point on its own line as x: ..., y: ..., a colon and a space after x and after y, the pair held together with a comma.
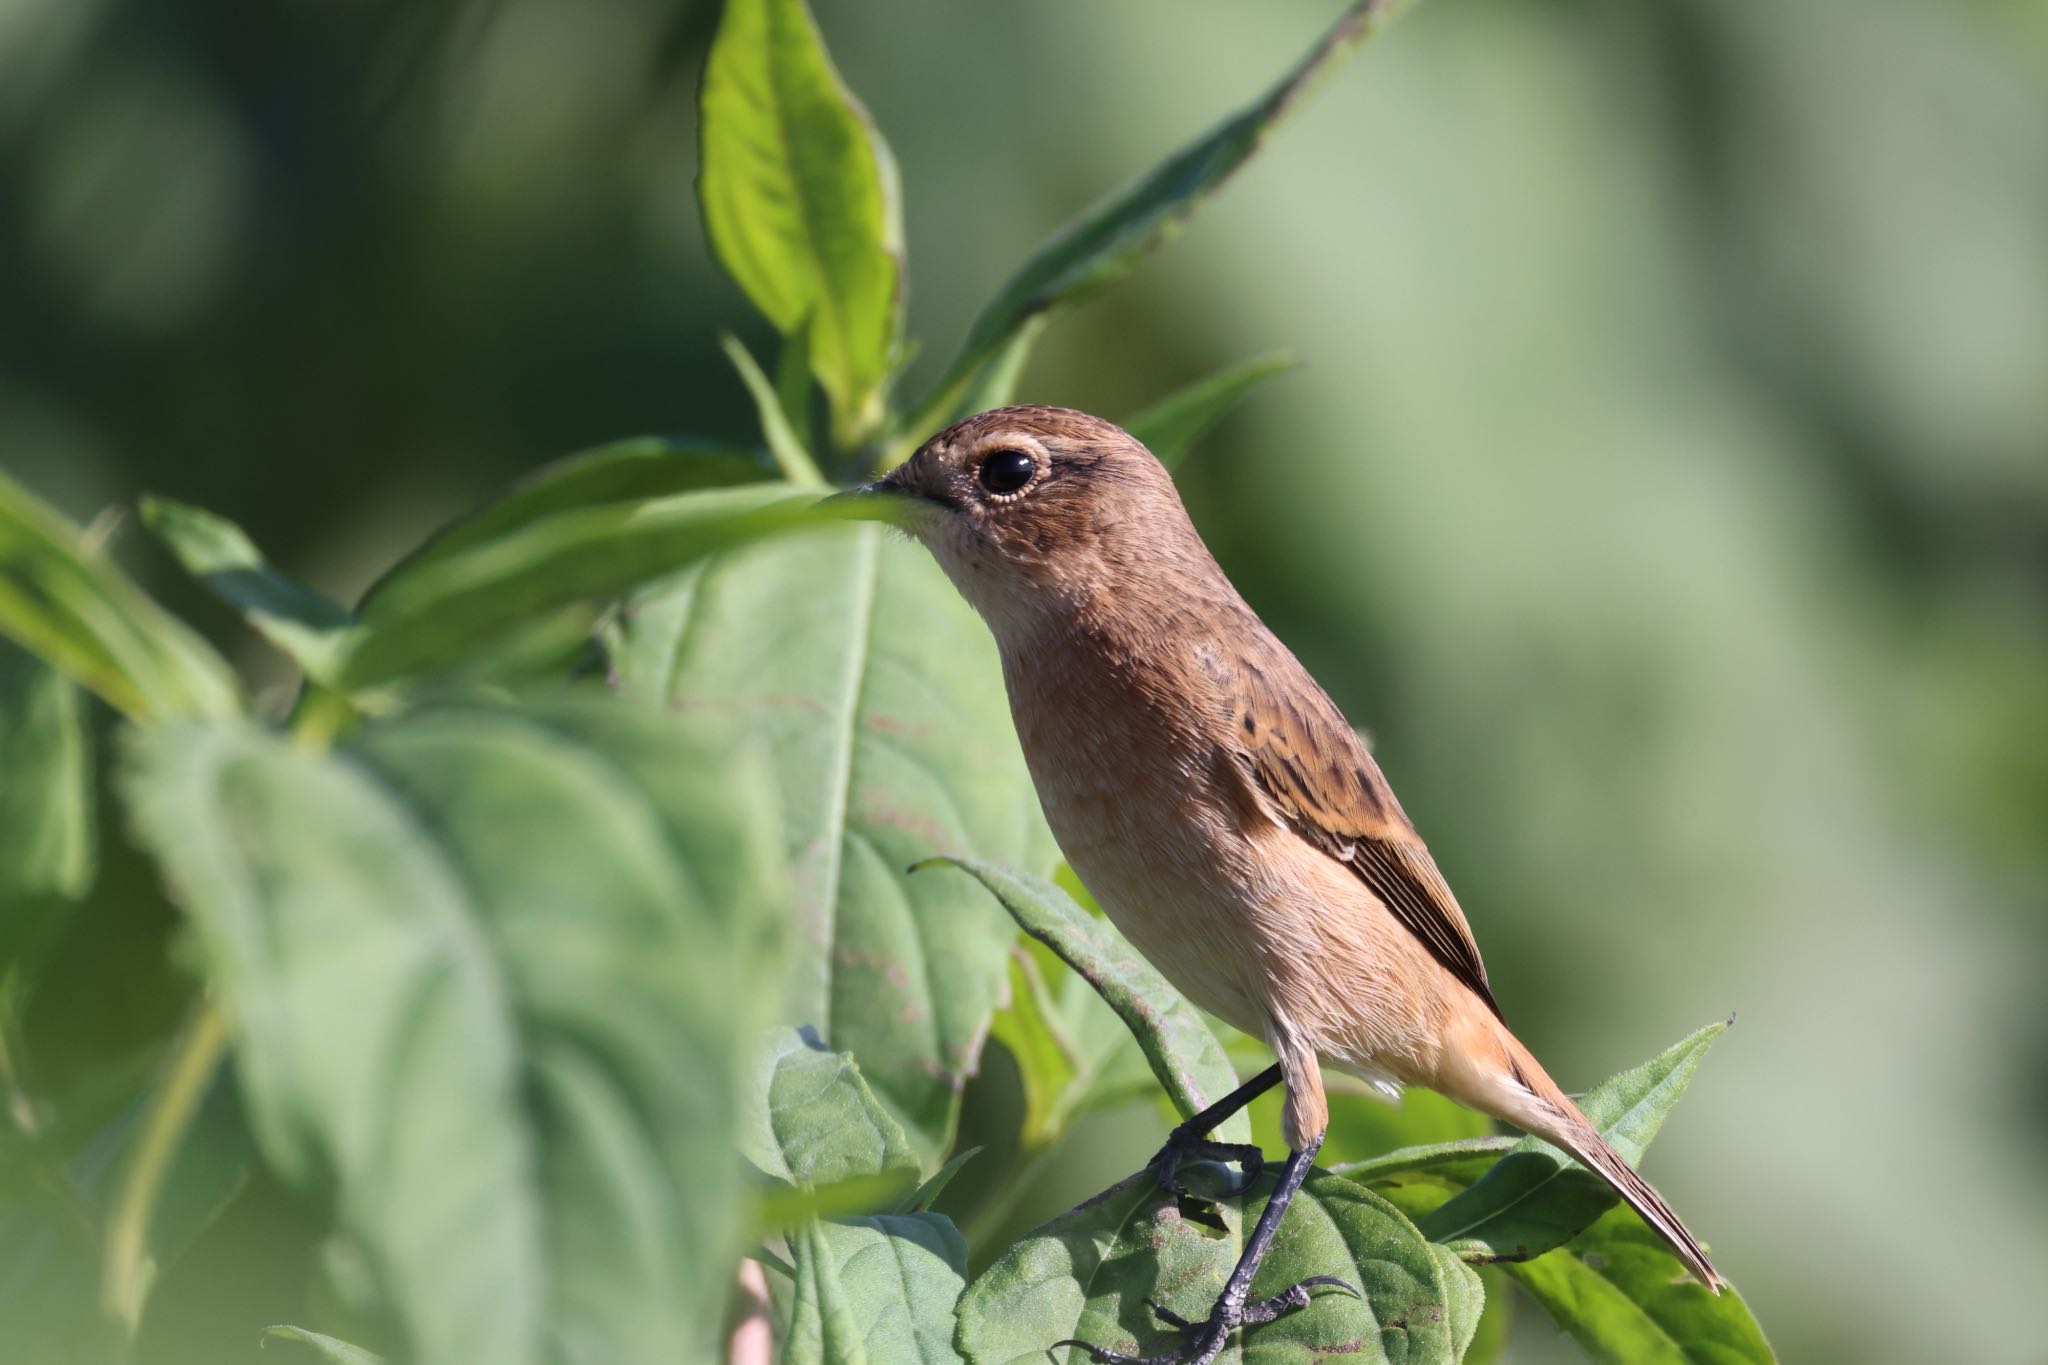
x: 1666, y: 486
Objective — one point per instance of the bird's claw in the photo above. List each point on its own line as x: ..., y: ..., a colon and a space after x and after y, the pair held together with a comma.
x: 1203, y: 1341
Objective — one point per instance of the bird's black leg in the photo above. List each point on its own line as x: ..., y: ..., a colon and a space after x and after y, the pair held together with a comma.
x: 1192, y: 1137
x: 1202, y: 1342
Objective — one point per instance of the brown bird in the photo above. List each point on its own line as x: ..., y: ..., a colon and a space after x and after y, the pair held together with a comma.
x: 1219, y: 806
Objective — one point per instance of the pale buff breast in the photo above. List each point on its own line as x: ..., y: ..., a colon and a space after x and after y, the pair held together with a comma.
x: 1241, y: 915
x: 1244, y: 918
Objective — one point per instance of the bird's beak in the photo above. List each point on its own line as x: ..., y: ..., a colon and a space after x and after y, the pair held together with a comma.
x: 885, y: 499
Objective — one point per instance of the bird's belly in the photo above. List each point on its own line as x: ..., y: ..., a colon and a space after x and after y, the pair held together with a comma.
x: 1175, y: 879
x: 1255, y: 931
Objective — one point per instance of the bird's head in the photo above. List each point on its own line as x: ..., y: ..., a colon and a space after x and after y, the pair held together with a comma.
x: 1032, y: 508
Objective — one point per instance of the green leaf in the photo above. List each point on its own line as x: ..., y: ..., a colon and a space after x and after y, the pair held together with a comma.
x: 1464, y: 1295
x: 1536, y: 1197
x: 1106, y: 243
x: 879, y: 1290
x: 783, y: 442
x: 811, y: 1119
x: 877, y: 691
x: 799, y: 196
x: 1173, y: 424
x: 1184, y: 1054
x: 1072, y: 1050
x: 83, y: 616
x: 1623, y: 1296
x: 331, y: 1349
x: 643, y: 469
x: 1417, y: 1179
x: 1087, y: 1273
x: 46, y: 817
x: 440, y: 610
x: 489, y: 972
x: 308, y: 628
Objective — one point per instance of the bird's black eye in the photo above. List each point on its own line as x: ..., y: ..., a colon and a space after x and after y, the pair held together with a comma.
x: 1006, y: 471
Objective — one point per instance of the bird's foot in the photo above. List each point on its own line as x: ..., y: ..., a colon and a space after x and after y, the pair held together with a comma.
x: 1183, y: 1144
x: 1201, y: 1342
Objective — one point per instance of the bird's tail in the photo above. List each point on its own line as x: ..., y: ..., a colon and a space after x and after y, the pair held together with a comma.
x: 1555, y: 1117
x: 1579, y: 1138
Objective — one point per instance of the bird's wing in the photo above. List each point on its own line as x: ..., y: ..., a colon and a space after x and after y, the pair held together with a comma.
x: 1295, y: 748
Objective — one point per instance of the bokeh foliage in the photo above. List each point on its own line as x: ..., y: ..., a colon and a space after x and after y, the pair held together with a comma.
x: 1666, y: 483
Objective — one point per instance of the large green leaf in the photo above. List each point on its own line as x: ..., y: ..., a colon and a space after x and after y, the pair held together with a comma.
x: 46, y: 829
x: 307, y: 627
x: 490, y: 972
x: 1185, y: 1056
x: 442, y: 608
x: 1536, y: 1197
x: 876, y: 1291
x: 1106, y: 243
x: 67, y: 605
x: 1169, y: 427
x: 878, y: 692
x: 800, y: 201
x: 811, y: 1119
x: 1623, y: 1296
x: 1087, y: 1274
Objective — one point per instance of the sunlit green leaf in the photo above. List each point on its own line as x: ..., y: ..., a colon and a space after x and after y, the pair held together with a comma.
x: 800, y: 201
x: 307, y: 627
x: 879, y: 696
x: 1107, y: 242
x: 1173, y: 424
x: 489, y: 972
x: 66, y: 604
x: 1624, y: 1297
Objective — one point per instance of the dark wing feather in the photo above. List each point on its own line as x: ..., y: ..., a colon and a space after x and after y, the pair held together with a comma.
x: 1301, y: 756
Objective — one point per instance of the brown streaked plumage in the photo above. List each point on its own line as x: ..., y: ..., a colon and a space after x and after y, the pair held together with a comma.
x: 1213, y: 797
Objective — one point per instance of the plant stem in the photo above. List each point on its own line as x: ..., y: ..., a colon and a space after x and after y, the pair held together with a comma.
x: 127, y: 1269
